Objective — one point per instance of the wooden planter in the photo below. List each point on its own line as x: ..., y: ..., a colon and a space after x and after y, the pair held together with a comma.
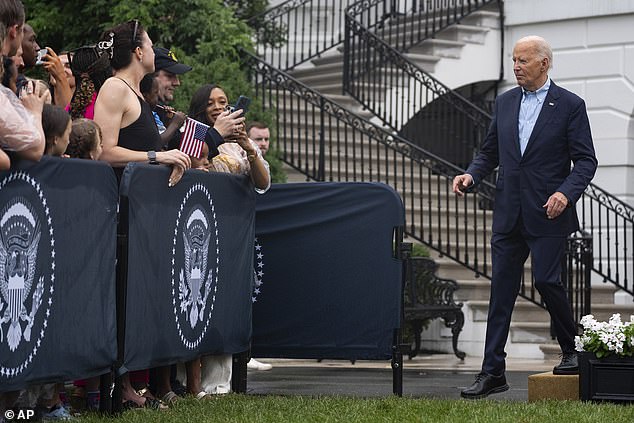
x: 606, y: 379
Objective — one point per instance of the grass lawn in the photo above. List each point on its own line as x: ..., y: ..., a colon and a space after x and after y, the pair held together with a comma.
x: 276, y: 409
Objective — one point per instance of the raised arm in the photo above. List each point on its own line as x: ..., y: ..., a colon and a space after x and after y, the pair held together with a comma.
x: 115, y: 108
x: 54, y: 66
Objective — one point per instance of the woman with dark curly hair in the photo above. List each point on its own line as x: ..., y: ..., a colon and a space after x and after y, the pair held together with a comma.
x: 90, y: 67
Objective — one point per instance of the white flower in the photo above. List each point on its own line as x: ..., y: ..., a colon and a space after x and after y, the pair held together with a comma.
x: 604, y: 338
x: 578, y: 344
x: 588, y: 320
x: 615, y: 320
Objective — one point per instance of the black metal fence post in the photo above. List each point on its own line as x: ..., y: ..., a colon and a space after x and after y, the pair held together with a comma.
x: 576, y: 274
x: 321, y: 171
x: 403, y: 251
x: 239, y: 372
x: 114, y: 391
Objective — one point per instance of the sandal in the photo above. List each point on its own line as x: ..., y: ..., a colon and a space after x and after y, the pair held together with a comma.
x: 202, y: 395
x: 170, y: 398
x: 144, y: 392
x: 150, y: 403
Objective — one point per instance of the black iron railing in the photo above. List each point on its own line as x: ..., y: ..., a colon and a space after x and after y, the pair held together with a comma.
x: 386, y: 82
x: 450, y: 126
x: 611, y: 223
x: 576, y: 271
x: 309, y: 28
x: 326, y: 141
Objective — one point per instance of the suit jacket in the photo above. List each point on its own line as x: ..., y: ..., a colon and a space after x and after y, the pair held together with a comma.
x: 561, y: 136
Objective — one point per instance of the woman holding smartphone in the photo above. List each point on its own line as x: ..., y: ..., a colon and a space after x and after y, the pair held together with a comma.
x: 240, y: 156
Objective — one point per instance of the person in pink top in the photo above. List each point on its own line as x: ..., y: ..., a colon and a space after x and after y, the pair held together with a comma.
x: 90, y: 67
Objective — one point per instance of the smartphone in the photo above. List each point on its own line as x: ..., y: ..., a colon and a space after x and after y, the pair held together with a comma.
x: 40, y: 56
x: 241, y: 104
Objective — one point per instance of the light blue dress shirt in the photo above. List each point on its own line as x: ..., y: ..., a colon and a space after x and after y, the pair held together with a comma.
x: 532, y: 102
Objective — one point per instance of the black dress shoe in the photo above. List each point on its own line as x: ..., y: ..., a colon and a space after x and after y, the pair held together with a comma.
x: 485, y: 385
x: 569, y: 365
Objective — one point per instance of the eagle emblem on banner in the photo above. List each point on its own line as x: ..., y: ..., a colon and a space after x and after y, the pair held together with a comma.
x: 26, y: 277
x: 195, y: 281
x: 195, y: 264
x: 18, y: 253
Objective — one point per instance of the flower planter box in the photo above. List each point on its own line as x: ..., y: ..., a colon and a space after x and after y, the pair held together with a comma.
x: 606, y: 379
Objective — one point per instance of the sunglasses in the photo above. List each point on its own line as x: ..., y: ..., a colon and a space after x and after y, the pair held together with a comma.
x: 136, y: 27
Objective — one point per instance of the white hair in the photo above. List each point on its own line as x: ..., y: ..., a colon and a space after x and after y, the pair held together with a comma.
x: 542, y: 48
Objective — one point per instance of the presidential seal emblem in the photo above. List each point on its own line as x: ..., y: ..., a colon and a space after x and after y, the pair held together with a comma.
x: 195, y: 265
x: 27, y: 266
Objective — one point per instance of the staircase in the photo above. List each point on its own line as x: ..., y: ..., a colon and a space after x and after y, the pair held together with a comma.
x: 476, y: 42
x: 344, y: 140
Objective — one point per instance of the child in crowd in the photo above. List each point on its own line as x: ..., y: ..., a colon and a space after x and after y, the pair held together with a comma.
x: 85, y: 143
x: 57, y: 126
x: 201, y: 163
x: 85, y: 140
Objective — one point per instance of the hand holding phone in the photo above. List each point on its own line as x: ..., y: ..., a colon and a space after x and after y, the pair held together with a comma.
x: 40, y: 56
x: 241, y: 104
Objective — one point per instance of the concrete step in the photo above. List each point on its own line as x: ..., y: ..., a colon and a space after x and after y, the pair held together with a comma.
x: 473, y: 34
x: 485, y: 18
x: 548, y: 386
x: 331, y: 56
x: 323, y: 68
x: 426, y: 62
x: 448, y: 268
x: 307, y: 117
x: 551, y: 350
x: 529, y: 332
x: 439, y: 48
x: 523, y: 312
x: 317, y: 78
x: 476, y: 292
x: 294, y: 175
x: 328, y: 87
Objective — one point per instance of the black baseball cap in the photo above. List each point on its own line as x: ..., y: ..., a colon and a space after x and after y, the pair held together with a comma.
x: 165, y: 60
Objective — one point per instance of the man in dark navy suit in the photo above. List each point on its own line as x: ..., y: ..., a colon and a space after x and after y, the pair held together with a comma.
x: 538, y: 130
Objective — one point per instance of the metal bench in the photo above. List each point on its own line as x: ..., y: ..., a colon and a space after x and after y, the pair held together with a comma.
x: 428, y: 296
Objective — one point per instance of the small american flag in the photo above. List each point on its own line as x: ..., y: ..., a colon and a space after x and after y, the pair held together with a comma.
x: 193, y: 138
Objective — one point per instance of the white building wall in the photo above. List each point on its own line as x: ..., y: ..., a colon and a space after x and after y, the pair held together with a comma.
x: 593, y: 56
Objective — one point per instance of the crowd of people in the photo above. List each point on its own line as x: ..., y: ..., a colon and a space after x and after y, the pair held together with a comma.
x: 110, y: 101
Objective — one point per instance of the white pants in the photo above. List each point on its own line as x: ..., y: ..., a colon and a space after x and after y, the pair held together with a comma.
x: 216, y: 373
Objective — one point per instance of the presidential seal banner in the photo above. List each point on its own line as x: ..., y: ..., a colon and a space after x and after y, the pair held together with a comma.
x: 327, y: 284
x: 189, y: 278
x: 57, y: 262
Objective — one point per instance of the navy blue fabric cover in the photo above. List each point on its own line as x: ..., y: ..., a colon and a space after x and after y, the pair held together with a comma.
x: 327, y: 282
x: 57, y: 271
x: 193, y: 238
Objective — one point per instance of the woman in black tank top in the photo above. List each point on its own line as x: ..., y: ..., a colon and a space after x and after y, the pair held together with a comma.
x: 142, y: 134
x: 128, y: 136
